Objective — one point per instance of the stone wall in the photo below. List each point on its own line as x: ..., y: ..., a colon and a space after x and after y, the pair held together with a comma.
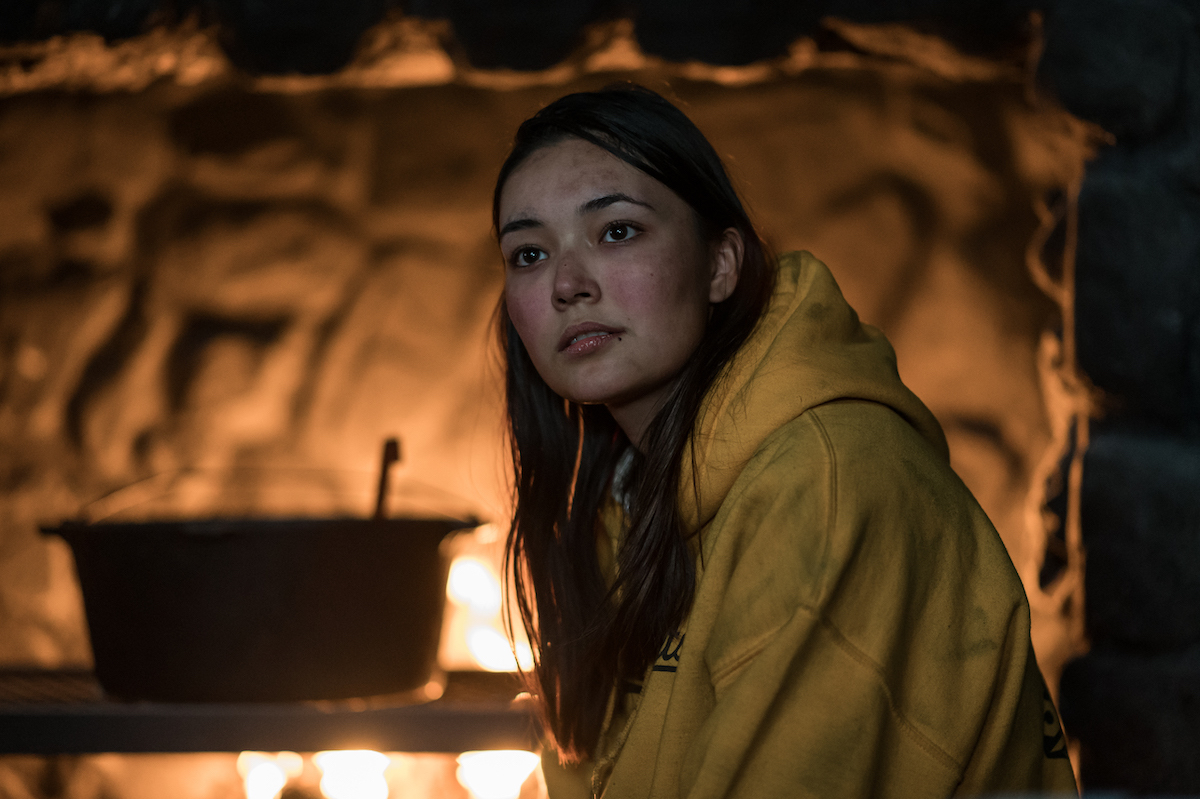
x: 1133, y: 703
x: 243, y: 282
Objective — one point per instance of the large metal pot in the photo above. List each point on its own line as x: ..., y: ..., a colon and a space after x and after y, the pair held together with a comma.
x: 262, y: 610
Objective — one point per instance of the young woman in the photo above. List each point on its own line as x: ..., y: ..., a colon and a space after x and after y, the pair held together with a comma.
x: 739, y: 550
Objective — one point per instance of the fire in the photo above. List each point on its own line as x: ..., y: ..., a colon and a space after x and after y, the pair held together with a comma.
x: 264, y: 780
x: 264, y: 775
x: 365, y: 774
x: 476, y: 596
x: 353, y: 774
x: 473, y: 585
x: 495, y: 775
x: 491, y: 650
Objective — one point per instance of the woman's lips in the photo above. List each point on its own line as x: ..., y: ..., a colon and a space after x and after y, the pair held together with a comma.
x: 590, y: 343
x: 586, y: 337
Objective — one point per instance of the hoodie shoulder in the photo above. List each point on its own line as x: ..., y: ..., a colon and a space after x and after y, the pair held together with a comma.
x: 843, y: 479
x: 809, y: 349
x: 848, y: 529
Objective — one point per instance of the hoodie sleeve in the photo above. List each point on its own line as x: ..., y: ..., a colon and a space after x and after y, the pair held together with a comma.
x: 865, y: 633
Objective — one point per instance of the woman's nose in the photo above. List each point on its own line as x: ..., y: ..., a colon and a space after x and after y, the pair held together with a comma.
x: 574, y: 282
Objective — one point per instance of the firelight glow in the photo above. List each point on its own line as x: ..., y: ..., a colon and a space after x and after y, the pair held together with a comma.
x: 497, y: 774
x: 491, y: 650
x: 353, y: 774
x: 264, y: 775
x: 472, y: 584
x: 264, y: 781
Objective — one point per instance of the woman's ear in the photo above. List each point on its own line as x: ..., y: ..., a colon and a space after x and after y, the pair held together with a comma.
x: 726, y: 265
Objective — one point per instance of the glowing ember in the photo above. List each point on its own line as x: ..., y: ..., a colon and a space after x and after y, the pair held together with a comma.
x: 495, y: 775
x: 353, y: 774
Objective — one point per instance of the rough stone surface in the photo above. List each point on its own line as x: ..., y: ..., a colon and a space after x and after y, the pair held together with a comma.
x: 1138, y: 287
x: 1119, y: 63
x: 1141, y: 522
x: 278, y: 281
x: 1137, y: 720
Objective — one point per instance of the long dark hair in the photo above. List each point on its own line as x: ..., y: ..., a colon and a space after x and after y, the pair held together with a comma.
x: 587, y: 635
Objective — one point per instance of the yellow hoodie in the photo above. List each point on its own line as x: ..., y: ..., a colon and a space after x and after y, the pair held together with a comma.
x: 858, y: 629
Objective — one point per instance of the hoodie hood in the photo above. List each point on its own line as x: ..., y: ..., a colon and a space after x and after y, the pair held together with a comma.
x: 808, y: 349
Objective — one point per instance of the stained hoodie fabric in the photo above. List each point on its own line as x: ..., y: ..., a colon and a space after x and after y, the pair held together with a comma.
x: 858, y: 629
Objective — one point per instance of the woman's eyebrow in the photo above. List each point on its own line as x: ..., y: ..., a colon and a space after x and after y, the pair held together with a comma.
x: 609, y: 199
x: 518, y: 224
x: 586, y: 208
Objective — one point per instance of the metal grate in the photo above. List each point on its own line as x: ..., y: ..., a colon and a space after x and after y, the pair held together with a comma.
x: 66, y: 712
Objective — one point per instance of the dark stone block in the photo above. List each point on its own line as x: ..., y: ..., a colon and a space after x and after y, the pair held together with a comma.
x: 1141, y: 527
x: 1179, y: 147
x: 972, y: 25
x: 1137, y: 720
x: 519, y: 35
x: 18, y: 20
x: 283, y: 36
x: 112, y: 19
x: 719, y: 32
x: 1118, y: 62
x: 33, y: 20
x: 1138, y: 287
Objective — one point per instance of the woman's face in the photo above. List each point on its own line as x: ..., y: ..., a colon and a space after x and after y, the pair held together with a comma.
x: 607, y: 279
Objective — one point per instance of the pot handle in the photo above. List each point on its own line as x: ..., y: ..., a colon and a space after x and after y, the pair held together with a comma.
x: 391, y: 454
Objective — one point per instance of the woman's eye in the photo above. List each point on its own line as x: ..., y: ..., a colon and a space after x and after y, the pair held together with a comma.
x: 525, y: 256
x: 619, y: 232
